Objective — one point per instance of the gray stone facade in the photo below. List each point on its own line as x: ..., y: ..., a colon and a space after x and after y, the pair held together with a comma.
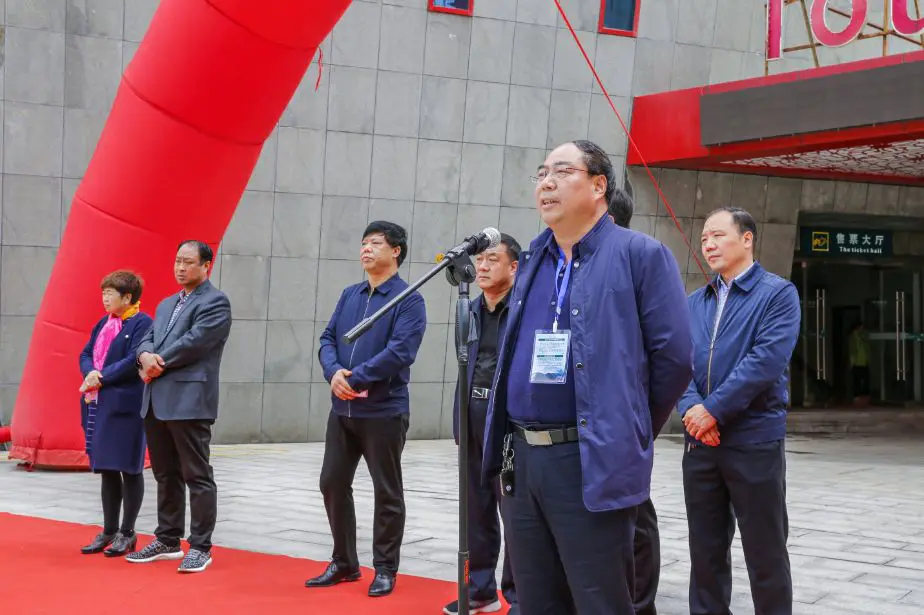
x: 430, y: 120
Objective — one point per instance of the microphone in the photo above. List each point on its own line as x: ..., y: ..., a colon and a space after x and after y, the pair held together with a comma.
x: 478, y: 243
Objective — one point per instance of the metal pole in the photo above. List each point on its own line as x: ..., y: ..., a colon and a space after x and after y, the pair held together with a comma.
x: 463, y: 324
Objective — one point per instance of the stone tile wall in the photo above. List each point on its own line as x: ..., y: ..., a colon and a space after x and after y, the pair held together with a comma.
x: 431, y: 120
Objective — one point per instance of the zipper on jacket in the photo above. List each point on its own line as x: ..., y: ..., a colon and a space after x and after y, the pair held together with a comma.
x: 353, y: 351
x: 715, y: 334
x: 709, y: 370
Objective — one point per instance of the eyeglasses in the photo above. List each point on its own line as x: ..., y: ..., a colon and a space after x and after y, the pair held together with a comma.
x: 558, y: 174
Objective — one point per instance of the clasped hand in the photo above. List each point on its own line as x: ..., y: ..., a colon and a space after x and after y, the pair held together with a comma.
x: 701, y: 425
x: 152, y: 366
x: 91, y: 382
x: 340, y: 387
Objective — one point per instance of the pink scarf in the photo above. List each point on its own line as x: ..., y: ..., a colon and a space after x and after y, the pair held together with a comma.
x: 109, y: 332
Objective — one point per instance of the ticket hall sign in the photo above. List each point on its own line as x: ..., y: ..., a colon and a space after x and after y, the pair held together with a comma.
x: 900, y: 11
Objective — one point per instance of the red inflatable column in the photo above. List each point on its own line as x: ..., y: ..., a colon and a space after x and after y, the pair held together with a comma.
x: 200, y: 97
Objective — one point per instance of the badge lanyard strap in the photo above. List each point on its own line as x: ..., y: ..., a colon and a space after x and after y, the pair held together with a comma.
x: 561, y: 290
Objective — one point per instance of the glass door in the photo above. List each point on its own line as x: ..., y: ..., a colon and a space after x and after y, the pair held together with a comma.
x: 894, y: 342
x: 809, y: 368
x: 862, y: 335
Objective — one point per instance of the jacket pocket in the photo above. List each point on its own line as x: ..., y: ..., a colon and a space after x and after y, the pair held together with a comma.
x: 190, y: 377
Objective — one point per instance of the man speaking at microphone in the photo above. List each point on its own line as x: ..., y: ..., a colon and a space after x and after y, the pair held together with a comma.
x: 596, y: 353
x: 370, y: 415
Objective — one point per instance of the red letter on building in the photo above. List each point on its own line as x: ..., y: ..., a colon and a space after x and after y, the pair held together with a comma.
x: 774, y: 29
x: 902, y: 20
x: 824, y: 35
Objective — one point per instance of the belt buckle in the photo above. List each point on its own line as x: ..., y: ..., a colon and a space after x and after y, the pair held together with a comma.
x: 480, y: 393
x: 538, y: 438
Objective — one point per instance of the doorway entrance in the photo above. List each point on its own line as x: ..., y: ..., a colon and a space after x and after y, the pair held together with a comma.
x: 862, y: 337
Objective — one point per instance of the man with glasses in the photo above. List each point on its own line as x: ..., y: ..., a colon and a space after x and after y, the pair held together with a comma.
x: 596, y: 353
x: 369, y: 419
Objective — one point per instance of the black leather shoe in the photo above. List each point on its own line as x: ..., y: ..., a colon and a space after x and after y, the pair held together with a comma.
x: 334, y: 575
x: 99, y: 543
x: 122, y: 545
x: 382, y: 585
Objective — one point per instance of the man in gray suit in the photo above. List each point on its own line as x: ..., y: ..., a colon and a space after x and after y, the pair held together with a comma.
x: 179, y: 361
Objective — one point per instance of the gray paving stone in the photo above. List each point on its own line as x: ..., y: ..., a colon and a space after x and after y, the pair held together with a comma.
x: 856, y: 533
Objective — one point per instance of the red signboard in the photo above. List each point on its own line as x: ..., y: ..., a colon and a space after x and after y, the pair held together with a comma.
x: 903, y: 23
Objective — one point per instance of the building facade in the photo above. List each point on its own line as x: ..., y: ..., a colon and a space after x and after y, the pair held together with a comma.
x: 432, y: 117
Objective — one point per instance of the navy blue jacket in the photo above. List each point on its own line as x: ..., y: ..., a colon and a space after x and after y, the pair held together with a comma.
x: 742, y: 379
x: 631, y: 353
x: 118, y: 435
x: 381, y: 358
x: 473, y: 346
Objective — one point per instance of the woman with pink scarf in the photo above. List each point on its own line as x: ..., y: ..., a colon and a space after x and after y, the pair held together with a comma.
x: 110, y: 401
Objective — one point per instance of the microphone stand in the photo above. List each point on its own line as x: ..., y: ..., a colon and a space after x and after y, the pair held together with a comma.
x: 460, y: 272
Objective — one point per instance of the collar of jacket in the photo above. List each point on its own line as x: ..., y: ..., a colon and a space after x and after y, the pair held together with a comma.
x: 383, y: 288
x: 206, y: 284
x: 478, y: 303
x: 585, y: 247
x: 745, y: 282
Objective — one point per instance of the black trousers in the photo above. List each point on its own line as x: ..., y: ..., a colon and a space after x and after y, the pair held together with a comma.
x: 567, y: 560
x: 120, y: 490
x: 380, y: 442
x: 721, y: 484
x: 860, y: 380
x: 180, y: 459
x: 647, y: 549
x: 484, y: 528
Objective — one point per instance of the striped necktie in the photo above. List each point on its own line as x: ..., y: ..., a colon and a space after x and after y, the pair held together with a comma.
x: 176, y: 310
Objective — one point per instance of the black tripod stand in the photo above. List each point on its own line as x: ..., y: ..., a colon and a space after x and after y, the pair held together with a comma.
x: 460, y: 272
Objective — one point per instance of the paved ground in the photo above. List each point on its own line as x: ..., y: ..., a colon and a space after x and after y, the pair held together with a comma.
x: 856, y: 515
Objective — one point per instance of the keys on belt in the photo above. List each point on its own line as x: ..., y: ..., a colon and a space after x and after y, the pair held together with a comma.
x: 480, y: 393
x: 547, y: 437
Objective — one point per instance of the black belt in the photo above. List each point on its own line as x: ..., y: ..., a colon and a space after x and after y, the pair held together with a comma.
x: 480, y: 393
x: 547, y: 437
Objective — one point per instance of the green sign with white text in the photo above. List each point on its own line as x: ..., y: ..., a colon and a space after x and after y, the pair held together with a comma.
x: 815, y: 241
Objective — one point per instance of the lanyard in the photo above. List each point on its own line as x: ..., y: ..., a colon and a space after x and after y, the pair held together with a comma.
x: 561, y: 290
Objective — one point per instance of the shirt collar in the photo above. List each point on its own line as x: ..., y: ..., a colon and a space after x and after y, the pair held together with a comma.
x: 500, y: 307
x: 383, y: 288
x: 588, y: 243
x: 743, y: 279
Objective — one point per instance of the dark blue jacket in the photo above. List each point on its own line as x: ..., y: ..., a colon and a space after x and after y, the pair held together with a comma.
x: 381, y: 358
x: 742, y: 379
x: 631, y: 354
x: 118, y: 435
x: 473, y: 347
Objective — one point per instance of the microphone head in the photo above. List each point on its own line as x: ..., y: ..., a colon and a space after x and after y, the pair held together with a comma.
x: 494, y: 237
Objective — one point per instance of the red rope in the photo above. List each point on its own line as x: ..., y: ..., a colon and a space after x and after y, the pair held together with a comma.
x: 320, y: 68
x: 631, y: 140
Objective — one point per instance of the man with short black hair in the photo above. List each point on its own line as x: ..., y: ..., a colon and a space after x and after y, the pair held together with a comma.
x: 647, y: 543
x: 179, y: 360
x: 593, y: 360
x: 496, y: 269
x: 746, y: 322
x: 621, y: 208
x: 369, y: 417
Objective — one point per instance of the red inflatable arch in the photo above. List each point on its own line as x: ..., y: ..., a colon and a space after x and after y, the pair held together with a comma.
x: 200, y: 97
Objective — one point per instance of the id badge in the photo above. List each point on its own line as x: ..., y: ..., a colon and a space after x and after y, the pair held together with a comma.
x: 551, y: 351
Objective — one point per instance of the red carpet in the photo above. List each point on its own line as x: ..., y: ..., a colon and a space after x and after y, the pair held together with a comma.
x: 43, y: 571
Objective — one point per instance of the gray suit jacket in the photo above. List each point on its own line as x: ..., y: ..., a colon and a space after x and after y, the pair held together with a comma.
x: 191, y: 350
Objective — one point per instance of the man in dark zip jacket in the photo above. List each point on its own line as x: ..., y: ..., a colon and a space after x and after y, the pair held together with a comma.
x: 745, y: 325
x: 496, y: 269
x: 647, y: 540
x: 369, y: 417
x: 596, y: 353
